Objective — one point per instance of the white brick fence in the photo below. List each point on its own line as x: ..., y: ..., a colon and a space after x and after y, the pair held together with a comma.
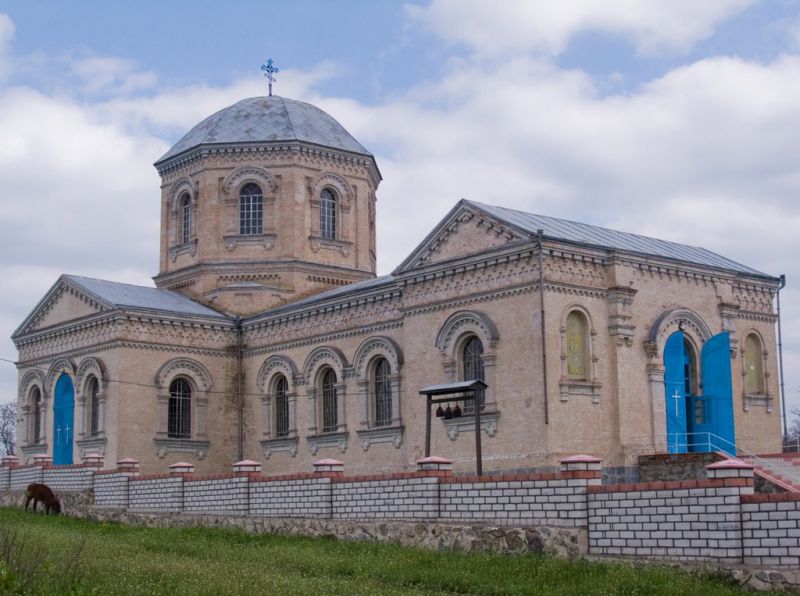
x: 717, y: 519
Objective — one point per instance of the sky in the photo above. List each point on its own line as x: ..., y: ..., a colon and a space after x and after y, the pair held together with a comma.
x: 678, y: 120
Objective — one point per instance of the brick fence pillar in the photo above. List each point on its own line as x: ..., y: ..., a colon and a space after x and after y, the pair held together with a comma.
x: 735, y: 472
x: 584, y: 463
x: 181, y: 468
x: 329, y: 467
x: 10, y: 461
x: 246, y: 467
x: 128, y: 466
x: 435, y: 464
x: 41, y: 459
x: 93, y: 460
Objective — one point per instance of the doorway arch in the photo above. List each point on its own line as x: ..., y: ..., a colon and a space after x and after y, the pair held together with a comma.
x: 63, y: 420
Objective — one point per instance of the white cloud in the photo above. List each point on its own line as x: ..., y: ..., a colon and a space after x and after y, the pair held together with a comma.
x: 515, y: 26
x: 111, y: 75
x: 6, y: 35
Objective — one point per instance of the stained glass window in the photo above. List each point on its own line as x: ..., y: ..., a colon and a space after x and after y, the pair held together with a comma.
x: 251, y: 210
x: 577, y: 346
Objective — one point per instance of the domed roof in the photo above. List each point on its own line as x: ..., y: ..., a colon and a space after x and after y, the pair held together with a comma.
x: 268, y: 119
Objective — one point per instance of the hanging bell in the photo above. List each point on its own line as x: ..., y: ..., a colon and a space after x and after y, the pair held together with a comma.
x: 457, y: 411
x: 448, y: 413
x: 439, y: 412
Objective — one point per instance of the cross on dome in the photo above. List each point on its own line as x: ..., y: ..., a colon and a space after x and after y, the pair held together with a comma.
x: 270, y: 69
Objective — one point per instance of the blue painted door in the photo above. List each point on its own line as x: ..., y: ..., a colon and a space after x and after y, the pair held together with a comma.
x: 63, y: 421
x: 718, y: 394
x: 675, y: 392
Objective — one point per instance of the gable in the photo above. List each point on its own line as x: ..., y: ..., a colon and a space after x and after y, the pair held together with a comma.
x: 463, y: 232
x: 62, y: 304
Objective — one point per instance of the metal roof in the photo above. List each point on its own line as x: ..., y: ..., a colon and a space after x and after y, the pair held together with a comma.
x: 589, y: 235
x: 127, y: 295
x: 268, y: 119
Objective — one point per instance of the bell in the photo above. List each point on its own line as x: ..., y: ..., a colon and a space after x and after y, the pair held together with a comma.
x: 439, y: 412
x: 448, y: 413
x: 457, y: 411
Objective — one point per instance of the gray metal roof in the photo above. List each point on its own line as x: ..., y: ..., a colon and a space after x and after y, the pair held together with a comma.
x: 359, y: 286
x: 585, y: 234
x: 127, y: 295
x: 268, y: 119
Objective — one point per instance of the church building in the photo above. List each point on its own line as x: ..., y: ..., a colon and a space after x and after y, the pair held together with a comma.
x: 269, y: 337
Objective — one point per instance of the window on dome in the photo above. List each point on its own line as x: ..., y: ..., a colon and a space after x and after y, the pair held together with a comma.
x: 186, y: 212
x: 327, y: 214
x: 251, y: 210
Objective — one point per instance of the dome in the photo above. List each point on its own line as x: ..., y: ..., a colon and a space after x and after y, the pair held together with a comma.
x: 265, y: 120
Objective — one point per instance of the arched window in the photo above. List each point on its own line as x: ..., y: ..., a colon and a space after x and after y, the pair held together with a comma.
x: 472, y: 367
x: 330, y: 417
x: 179, y: 417
x: 753, y: 366
x: 251, y: 210
x: 281, y: 406
x: 382, y: 387
x: 186, y: 216
x: 577, y: 346
x: 93, y: 390
x: 327, y: 214
x: 36, y: 403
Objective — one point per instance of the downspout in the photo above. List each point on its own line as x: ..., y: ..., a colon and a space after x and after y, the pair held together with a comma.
x: 540, y: 236
x: 780, y: 353
x: 239, y: 397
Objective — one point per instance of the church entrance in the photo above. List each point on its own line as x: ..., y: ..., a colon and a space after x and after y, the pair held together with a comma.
x: 699, y: 395
x: 63, y: 421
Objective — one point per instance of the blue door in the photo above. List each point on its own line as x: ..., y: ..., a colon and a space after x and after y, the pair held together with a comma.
x: 63, y: 421
x: 716, y: 416
x: 675, y: 392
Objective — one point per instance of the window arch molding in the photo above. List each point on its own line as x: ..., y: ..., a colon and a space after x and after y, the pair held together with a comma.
x: 199, y: 380
x: 271, y: 370
x: 59, y: 367
x: 239, y: 177
x: 90, y: 368
x: 670, y: 321
x: 231, y: 187
x: 32, y: 380
x: 184, y: 187
x: 320, y: 359
x: 577, y: 385
x: 344, y: 195
x: 450, y: 340
x: 366, y: 357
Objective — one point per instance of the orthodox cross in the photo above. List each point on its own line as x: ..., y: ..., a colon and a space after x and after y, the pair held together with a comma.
x: 676, y: 397
x: 270, y: 69
x: 58, y: 434
x: 66, y: 433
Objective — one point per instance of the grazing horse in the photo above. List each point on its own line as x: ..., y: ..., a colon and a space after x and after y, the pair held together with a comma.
x: 42, y: 492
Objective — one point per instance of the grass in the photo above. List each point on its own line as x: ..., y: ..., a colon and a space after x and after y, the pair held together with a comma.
x: 81, y: 557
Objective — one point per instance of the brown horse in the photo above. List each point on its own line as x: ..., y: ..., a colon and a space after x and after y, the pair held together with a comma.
x: 42, y: 492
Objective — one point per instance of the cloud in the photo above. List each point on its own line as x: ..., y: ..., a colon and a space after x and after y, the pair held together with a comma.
x: 110, y: 75
x: 6, y: 35
x: 518, y: 26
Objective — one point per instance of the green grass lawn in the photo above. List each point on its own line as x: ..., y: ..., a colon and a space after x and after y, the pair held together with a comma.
x: 116, y: 559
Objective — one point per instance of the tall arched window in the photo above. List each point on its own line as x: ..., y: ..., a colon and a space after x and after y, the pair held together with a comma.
x: 36, y: 403
x: 93, y: 390
x: 577, y: 346
x: 179, y: 417
x: 281, y: 406
x: 251, y: 209
x: 327, y: 214
x: 753, y: 366
x: 382, y: 387
x: 472, y: 367
x: 186, y: 216
x: 330, y: 417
